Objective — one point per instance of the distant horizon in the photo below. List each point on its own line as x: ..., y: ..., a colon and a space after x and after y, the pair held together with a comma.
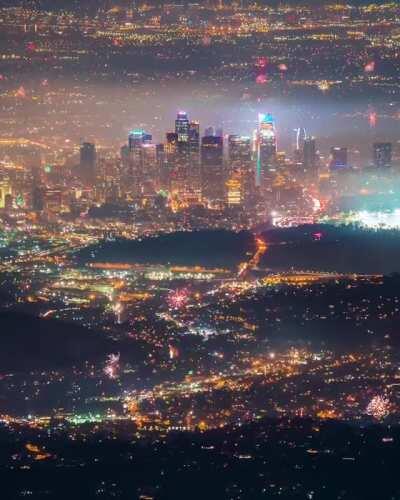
x: 97, y: 4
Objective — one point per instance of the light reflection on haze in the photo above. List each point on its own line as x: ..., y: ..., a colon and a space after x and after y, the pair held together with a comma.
x: 105, y: 113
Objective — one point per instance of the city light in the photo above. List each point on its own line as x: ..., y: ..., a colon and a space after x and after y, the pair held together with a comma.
x: 199, y: 250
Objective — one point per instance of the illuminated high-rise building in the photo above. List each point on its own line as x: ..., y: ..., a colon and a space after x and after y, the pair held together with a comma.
x: 137, y: 137
x: 194, y: 172
x: 241, y: 165
x: 382, y: 152
x: 172, y: 142
x: 212, y: 169
x: 5, y: 191
x: 194, y: 137
x: 234, y: 190
x: 182, y: 155
x: 265, y: 147
x: 134, y: 174
x: 301, y: 136
x: 182, y: 128
x: 177, y: 158
x: 239, y: 151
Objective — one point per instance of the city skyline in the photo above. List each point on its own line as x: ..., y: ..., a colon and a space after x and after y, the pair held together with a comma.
x: 199, y: 241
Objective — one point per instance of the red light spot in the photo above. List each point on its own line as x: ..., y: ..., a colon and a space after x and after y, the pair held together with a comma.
x: 370, y: 67
x: 31, y: 46
x: 372, y: 119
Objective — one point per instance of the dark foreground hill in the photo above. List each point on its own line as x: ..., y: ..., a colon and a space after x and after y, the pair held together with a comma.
x: 328, y: 248
x: 27, y: 342
x: 210, y: 248
x: 313, y: 247
x: 298, y: 459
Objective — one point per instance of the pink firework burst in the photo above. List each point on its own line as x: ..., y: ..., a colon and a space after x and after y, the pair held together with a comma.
x: 369, y: 67
x: 111, y: 369
x: 261, y: 79
x: 177, y: 299
x: 378, y: 407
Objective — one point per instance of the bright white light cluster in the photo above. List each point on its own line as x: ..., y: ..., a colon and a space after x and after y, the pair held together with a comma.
x: 378, y: 220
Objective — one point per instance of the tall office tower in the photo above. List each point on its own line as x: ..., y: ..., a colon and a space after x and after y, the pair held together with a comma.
x: 182, y: 127
x: 88, y: 162
x: 171, y: 142
x: 5, y: 192
x: 310, y: 160
x: 239, y: 151
x: 382, y: 152
x: 162, y: 166
x: 265, y: 148
x: 212, y: 169
x: 137, y: 137
x: 108, y: 186
x: 241, y: 165
x: 133, y: 174
x: 194, y: 172
x: 150, y: 176
x: 174, y: 174
x: 182, y: 158
x: 338, y: 158
x: 194, y: 137
x: 171, y: 147
x: 8, y: 202
x: 301, y: 136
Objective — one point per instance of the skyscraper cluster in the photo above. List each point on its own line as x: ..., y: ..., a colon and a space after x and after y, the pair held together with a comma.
x: 191, y: 167
x: 211, y: 169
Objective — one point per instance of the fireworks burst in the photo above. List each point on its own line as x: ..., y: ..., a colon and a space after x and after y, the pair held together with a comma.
x: 20, y: 92
x: 177, y: 299
x: 173, y: 352
x: 369, y: 67
x: 378, y: 407
x: 118, y: 310
x: 112, y: 367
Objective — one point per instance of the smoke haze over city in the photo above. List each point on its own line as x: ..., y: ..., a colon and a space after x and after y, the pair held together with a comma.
x: 199, y: 240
